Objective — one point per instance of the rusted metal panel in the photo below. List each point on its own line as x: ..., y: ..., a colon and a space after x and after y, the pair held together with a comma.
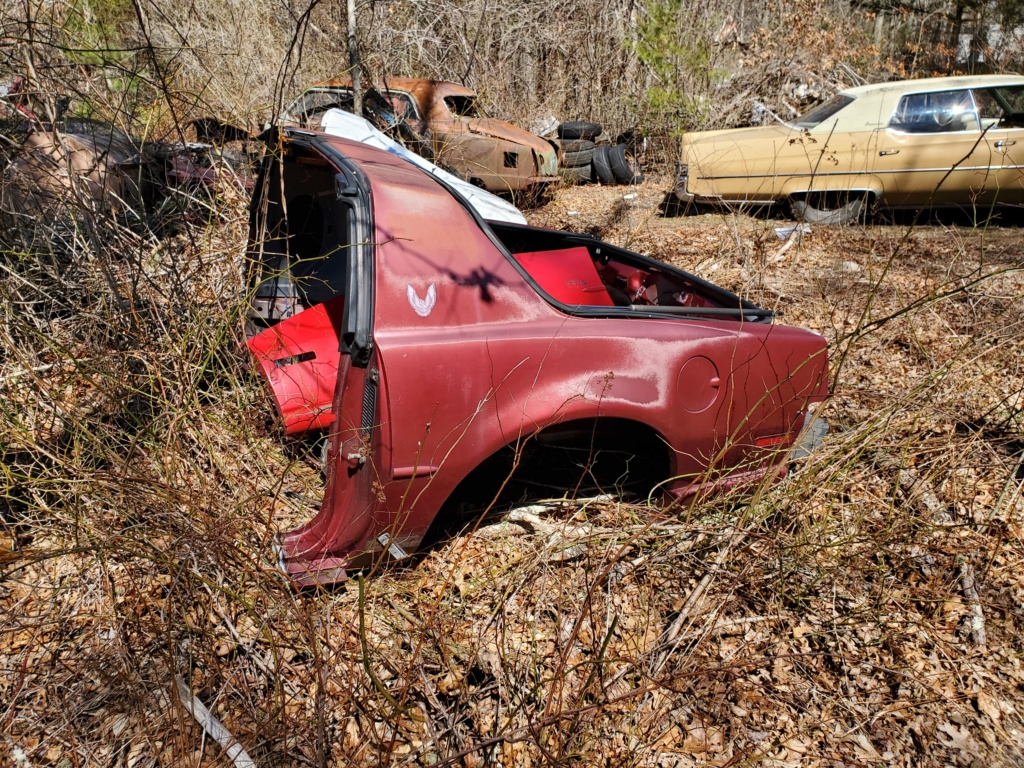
x: 495, y: 154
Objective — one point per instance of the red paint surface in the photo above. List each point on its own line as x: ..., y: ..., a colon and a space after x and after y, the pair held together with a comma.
x: 568, y: 275
x: 494, y: 362
x: 302, y: 388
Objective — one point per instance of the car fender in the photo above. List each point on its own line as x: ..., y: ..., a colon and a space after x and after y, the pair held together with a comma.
x: 800, y: 185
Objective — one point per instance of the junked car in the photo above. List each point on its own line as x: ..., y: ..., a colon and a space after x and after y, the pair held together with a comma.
x: 93, y: 162
x: 337, y: 122
x: 939, y: 142
x: 458, y: 363
x: 442, y: 121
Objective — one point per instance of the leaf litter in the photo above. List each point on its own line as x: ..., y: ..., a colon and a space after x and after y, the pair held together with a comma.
x: 820, y: 622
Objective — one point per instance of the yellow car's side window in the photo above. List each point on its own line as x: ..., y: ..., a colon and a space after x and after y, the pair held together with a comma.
x: 1001, y: 107
x: 942, y: 112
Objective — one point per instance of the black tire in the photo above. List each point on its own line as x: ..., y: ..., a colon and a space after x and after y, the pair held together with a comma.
x: 830, y: 208
x: 634, y: 140
x: 624, y: 165
x: 603, y: 173
x: 578, y: 159
x: 576, y: 145
x: 579, y: 129
x: 579, y: 175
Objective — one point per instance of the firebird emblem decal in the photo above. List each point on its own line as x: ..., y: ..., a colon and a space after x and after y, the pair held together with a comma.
x: 421, y: 307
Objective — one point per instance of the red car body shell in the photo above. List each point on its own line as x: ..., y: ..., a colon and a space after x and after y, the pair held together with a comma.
x: 469, y: 356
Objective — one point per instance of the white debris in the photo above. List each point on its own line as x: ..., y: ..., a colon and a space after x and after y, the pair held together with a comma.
x: 784, y: 233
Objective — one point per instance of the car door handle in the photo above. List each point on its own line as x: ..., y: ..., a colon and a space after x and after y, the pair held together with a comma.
x: 1007, y: 143
x: 885, y: 152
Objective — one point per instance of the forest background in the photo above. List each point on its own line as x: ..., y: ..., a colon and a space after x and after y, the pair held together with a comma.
x: 866, y: 611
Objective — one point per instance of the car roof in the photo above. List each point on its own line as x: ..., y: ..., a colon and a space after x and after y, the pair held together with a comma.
x: 364, y: 155
x: 337, y: 122
x: 386, y: 171
x: 874, y: 104
x: 928, y: 84
x: 416, y: 85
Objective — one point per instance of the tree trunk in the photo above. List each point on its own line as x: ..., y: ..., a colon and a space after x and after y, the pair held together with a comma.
x: 954, y: 36
x: 353, y: 59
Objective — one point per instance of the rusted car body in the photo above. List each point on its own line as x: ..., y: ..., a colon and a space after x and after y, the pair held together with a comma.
x: 84, y: 160
x: 92, y: 163
x: 938, y: 142
x: 444, y: 117
x: 468, y: 361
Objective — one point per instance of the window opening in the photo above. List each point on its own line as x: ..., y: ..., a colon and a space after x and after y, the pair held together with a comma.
x: 942, y: 112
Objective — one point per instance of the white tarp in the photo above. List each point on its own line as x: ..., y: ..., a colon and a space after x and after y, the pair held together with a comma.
x: 348, y: 126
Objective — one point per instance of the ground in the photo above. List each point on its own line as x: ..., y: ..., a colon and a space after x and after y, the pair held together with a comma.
x: 865, y: 611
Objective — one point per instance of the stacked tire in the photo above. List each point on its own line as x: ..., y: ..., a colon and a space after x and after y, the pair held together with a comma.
x: 585, y: 161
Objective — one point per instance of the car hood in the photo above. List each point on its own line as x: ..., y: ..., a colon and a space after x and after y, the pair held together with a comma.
x: 499, y: 129
x: 348, y: 126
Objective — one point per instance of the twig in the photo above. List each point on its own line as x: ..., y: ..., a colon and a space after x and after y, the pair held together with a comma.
x: 213, y: 727
x: 795, y: 237
x: 919, y: 492
x: 695, y: 598
x: 569, y: 545
x: 732, y: 626
x: 249, y: 647
x: 917, y: 489
x: 976, y: 627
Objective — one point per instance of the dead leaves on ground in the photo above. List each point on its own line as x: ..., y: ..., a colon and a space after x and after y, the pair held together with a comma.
x: 832, y: 634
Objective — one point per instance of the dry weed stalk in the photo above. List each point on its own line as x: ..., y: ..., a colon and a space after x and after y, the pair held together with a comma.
x: 141, y: 484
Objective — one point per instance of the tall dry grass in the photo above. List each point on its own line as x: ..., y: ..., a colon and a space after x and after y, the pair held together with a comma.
x: 142, y: 481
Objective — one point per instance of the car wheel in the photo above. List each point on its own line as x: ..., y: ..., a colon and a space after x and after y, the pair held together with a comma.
x: 578, y: 159
x: 576, y: 145
x: 577, y: 175
x: 624, y: 165
x: 829, y: 208
x: 603, y: 173
x: 579, y: 129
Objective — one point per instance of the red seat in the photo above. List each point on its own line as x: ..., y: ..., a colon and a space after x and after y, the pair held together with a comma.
x: 567, y: 275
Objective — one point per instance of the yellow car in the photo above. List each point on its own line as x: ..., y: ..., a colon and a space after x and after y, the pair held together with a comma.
x: 940, y: 142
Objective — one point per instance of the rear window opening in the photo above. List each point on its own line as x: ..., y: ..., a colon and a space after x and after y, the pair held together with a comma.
x: 582, y: 272
x: 299, y: 244
x: 463, y: 106
x: 823, y: 112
